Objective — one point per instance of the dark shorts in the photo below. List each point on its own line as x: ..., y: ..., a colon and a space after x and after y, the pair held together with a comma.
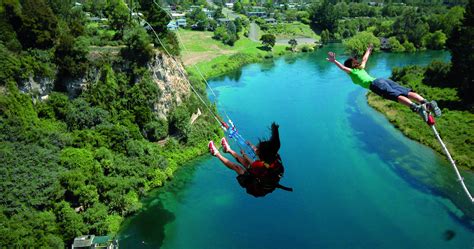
x: 388, y: 89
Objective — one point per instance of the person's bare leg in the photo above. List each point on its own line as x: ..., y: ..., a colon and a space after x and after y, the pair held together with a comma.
x: 405, y: 101
x: 230, y: 165
x: 238, y: 157
x: 415, y: 96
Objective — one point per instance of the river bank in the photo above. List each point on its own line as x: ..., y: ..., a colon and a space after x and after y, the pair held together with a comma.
x: 455, y: 125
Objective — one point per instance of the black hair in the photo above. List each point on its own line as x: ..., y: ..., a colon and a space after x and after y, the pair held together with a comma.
x: 352, y: 63
x: 268, y: 149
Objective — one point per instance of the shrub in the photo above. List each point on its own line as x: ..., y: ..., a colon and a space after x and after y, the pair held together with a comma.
x: 437, y: 74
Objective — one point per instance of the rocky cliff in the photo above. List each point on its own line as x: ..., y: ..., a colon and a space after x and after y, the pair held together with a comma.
x: 169, y: 75
x: 167, y: 72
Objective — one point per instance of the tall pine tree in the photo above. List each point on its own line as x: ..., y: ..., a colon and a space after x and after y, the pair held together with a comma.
x: 461, y: 44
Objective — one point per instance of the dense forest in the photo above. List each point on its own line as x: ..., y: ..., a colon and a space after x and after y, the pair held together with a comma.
x: 77, y: 162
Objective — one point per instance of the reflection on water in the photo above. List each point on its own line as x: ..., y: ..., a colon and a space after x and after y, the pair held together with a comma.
x: 150, y: 233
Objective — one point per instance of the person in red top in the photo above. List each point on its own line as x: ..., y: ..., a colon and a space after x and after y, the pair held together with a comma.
x: 261, y: 176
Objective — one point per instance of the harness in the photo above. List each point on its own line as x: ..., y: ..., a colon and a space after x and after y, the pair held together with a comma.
x: 268, y: 175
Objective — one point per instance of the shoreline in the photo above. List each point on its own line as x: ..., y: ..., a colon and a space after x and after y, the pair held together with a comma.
x: 399, y: 117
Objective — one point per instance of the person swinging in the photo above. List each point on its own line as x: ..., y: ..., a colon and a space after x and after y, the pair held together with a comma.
x: 385, y: 88
x: 261, y: 176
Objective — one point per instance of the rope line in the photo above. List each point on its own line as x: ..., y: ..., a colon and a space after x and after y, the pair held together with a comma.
x: 237, y: 137
x: 453, y: 163
x: 187, y: 51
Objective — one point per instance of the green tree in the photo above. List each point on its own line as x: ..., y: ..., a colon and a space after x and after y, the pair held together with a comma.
x: 80, y: 115
x: 358, y: 44
x: 158, y: 19
x: 70, y: 222
x: 268, y: 40
x: 38, y: 28
x: 138, y: 48
x: 96, y: 219
x: 293, y: 43
x: 410, y: 26
x: 71, y: 57
x: 435, y: 40
x: 462, y: 58
x: 9, y: 64
x: 198, y: 19
x: 395, y: 45
x: 324, y: 15
x: 437, y: 74
x: 325, y: 36
x: 179, y: 122
x: 156, y: 130
x: 118, y: 14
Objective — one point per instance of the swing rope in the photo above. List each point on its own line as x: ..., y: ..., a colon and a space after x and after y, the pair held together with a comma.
x: 231, y: 130
x: 453, y: 163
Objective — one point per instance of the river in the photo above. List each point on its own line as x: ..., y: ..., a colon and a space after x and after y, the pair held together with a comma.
x: 358, y: 182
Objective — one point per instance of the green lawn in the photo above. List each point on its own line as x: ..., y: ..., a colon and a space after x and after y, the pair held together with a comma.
x: 292, y: 30
x: 213, y: 58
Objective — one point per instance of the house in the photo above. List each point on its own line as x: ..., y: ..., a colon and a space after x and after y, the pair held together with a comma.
x: 222, y: 21
x: 181, y: 22
x: 229, y: 5
x: 172, y: 25
x: 137, y: 14
x: 384, y: 43
x: 176, y: 15
x: 257, y: 14
x: 209, y: 13
x: 271, y: 21
x: 92, y: 241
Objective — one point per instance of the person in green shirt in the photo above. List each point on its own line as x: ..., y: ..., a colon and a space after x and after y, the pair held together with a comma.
x: 385, y: 88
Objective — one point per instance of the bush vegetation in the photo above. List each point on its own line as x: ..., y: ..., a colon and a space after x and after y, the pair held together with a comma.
x: 74, y: 165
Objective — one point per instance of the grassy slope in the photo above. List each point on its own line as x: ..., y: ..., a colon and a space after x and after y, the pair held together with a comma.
x: 213, y: 58
x: 455, y: 126
x: 292, y: 30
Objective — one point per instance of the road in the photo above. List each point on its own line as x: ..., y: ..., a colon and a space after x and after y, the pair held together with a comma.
x: 253, y: 32
x: 300, y: 41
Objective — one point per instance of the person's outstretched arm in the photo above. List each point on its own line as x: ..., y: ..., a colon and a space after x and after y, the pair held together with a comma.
x: 366, y: 55
x: 332, y: 58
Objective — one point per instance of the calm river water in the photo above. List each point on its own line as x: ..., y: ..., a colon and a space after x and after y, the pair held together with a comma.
x: 358, y: 182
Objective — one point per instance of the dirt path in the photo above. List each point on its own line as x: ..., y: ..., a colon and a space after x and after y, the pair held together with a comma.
x: 301, y: 40
x: 253, y: 32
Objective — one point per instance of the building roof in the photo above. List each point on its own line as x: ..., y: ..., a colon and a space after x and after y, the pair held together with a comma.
x: 83, y: 241
x: 101, y: 240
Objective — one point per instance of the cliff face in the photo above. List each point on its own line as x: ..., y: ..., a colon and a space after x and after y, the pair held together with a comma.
x: 174, y: 88
x: 167, y: 73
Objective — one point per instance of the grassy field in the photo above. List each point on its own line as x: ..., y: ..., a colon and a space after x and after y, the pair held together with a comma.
x: 213, y: 58
x: 455, y: 126
x: 292, y: 30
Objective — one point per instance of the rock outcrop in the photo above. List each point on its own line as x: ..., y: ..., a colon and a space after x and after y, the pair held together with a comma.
x: 169, y: 75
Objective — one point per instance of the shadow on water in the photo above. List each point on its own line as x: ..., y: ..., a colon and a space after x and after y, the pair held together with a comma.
x: 401, y: 160
x: 151, y: 228
x: 231, y: 76
x: 394, y: 153
x: 146, y: 229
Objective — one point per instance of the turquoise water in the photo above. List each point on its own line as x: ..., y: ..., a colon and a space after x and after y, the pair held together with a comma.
x: 358, y: 182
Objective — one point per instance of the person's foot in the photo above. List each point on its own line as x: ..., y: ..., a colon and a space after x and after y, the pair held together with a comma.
x: 212, y: 148
x: 433, y: 106
x: 225, y: 145
x: 421, y: 110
